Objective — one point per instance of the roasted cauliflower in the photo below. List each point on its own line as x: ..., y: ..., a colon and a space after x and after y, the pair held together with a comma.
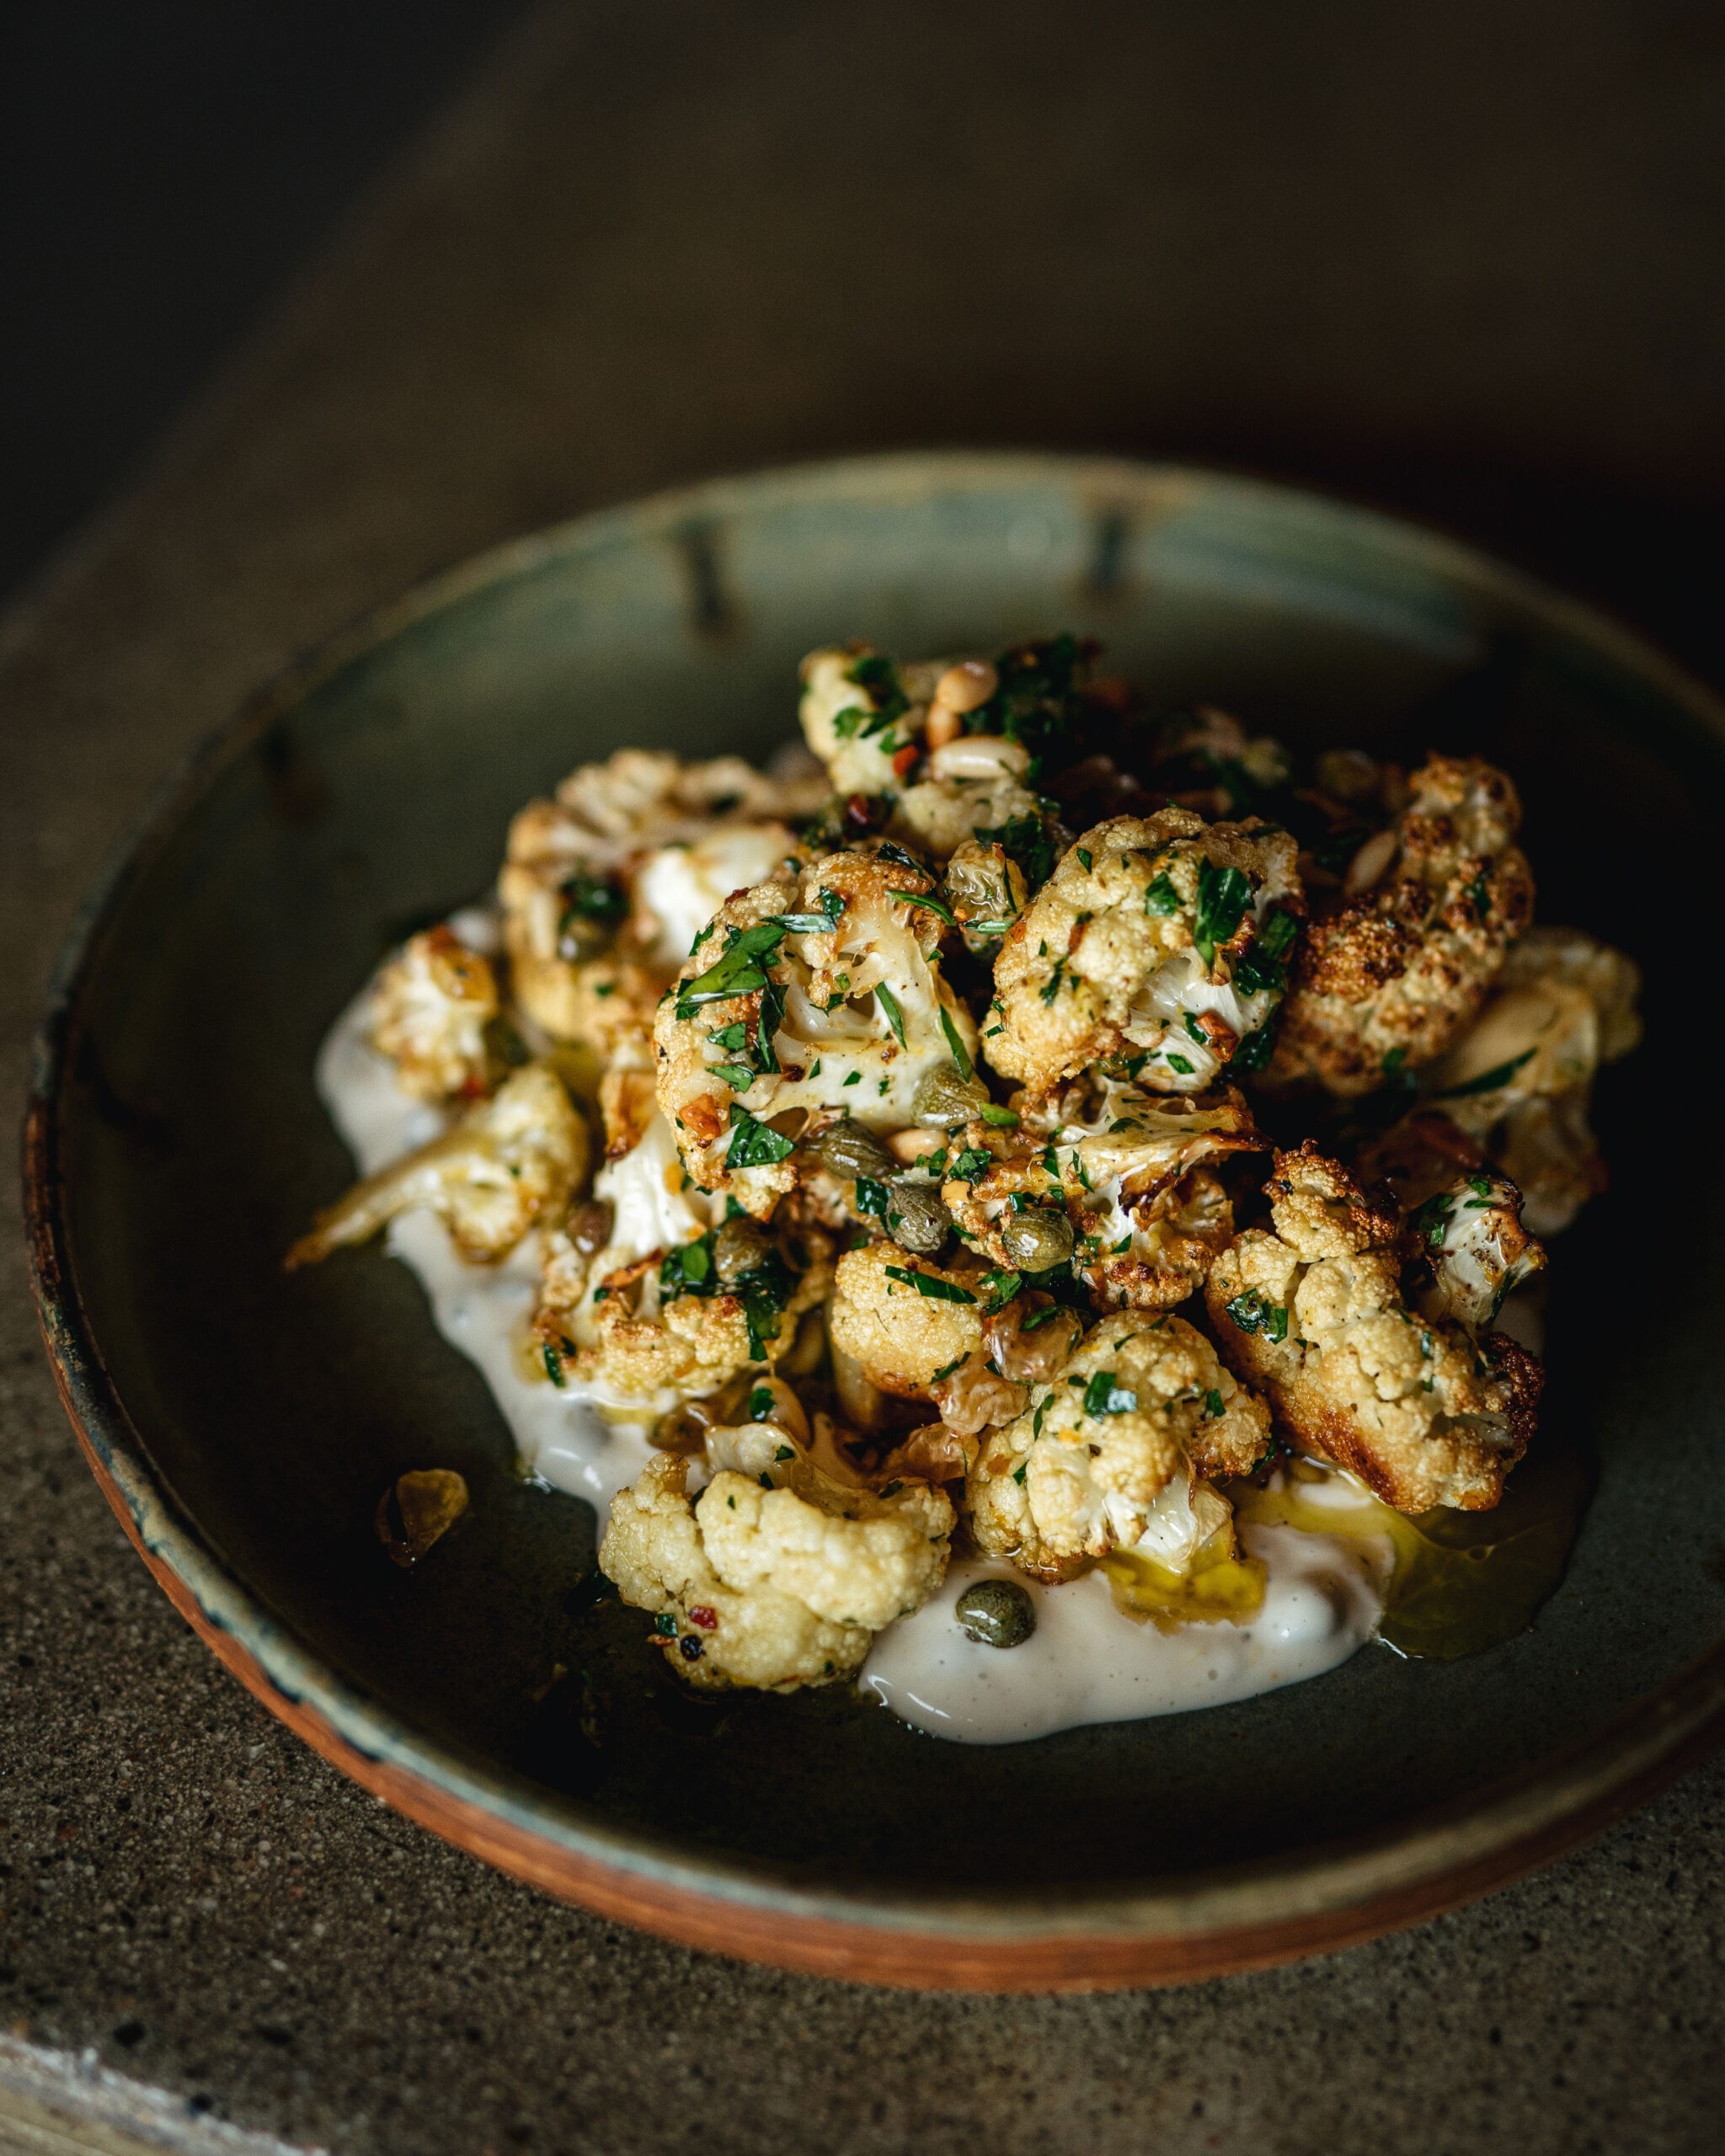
x: 1422, y: 1410
x: 1106, y: 1456
x: 1112, y: 1179
x: 634, y: 852
x: 807, y: 998
x: 643, y: 1305
x: 776, y: 1576
x: 1159, y: 942
x: 1388, y: 982
x: 1520, y: 1083
x: 431, y: 1008
x: 911, y: 1330
x: 509, y: 1163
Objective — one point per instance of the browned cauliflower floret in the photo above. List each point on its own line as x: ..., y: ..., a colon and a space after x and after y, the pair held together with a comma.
x: 1158, y: 939
x: 806, y: 998
x: 1109, y: 1455
x: 909, y: 1328
x: 642, y: 844
x: 1520, y: 1083
x: 772, y: 1587
x: 509, y: 1163
x: 1473, y: 1240
x: 1422, y: 1410
x: 430, y: 1010
x: 1388, y: 983
x: 666, y: 1308
x: 943, y: 747
x: 1110, y: 1177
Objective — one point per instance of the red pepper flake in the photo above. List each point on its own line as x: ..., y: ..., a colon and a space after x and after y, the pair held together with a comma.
x: 906, y: 762
x: 706, y: 1618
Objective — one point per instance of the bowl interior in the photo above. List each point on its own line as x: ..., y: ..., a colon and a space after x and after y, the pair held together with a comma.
x: 373, y: 794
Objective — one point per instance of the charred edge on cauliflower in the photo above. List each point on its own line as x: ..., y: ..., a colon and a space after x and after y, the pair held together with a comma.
x: 1384, y: 984
x: 1423, y: 1410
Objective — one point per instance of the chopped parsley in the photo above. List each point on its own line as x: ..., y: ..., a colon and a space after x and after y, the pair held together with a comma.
x: 1161, y: 897
x: 739, y: 1077
x: 760, y: 1403
x: 928, y: 904
x: 931, y: 1285
x: 871, y: 1197
x: 736, y: 971
x: 754, y: 1145
x: 1252, y: 1314
x: 855, y: 1078
x: 1040, y: 1317
x: 1051, y: 987
x: 1002, y: 1118
x: 815, y: 924
x: 961, y: 1054
x: 889, y: 1004
x: 1105, y: 1395
x: 1002, y: 1287
x: 1488, y: 1081
x: 1194, y: 1031
x: 1083, y: 854
x: 1179, y: 1063
x: 1223, y: 894
x: 972, y: 1162
x: 1213, y: 1403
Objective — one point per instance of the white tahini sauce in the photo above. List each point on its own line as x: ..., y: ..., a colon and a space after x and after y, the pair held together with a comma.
x: 1085, y: 1661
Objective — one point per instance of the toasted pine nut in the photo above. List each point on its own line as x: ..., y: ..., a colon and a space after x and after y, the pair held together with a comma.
x: 960, y: 689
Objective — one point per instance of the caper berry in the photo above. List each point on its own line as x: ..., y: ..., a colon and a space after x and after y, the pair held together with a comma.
x: 916, y: 1218
x: 1036, y: 1239
x: 851, y: 1150
x: 737, y: 1248
x: 996, y: 1614
x: 943, y: 1098
x: 590, y: 1224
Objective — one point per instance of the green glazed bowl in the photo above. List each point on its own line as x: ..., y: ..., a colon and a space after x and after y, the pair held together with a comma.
x: 243, y: 1422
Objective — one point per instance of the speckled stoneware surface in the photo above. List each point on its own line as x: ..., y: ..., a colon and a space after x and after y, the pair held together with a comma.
x: 246, y: 1422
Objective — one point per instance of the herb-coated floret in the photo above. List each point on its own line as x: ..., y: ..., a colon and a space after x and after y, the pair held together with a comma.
x: 430, y: 1008
x: 1470, y: 1238
x: 628, y: 860
x: 1159, y: 941
x: 1422, y: 1410
x: 669, y: 1307
x: 1128, y: 1171
x: 807, y: 998
x: 1115, y: 1438
x: 1387, y: 983
x: 912, y: 1329
x: 774, y: 1577
x: 509, y: 1163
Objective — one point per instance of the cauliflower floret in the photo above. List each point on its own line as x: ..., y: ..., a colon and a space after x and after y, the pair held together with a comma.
x: 1473, y: 1239
x: 430, y: 1009
x: 509, y: 1162
x: 673, y: 1304
x: 1520, y: 1083
x: 1160, y: 939
x: 1424, y: 1412
x: 772, y: 1588
x: 909, y: 1329
x: 1124, y: 1170
x: 947, y: 748
x: 643, y: 844
x: 1389, y: 981
x: 816, y: 996
x: 1142, y: 1408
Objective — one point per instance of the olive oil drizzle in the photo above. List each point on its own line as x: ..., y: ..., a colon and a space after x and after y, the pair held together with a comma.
x: 1459, y: 1583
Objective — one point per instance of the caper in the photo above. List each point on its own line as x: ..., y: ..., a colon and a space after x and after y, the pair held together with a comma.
x: 737, y: 1248
x: 1036, y: 1239
x: 943, y: 1098
x: 916, y: 1217
x: 977, y: 880
x: 851, y: 1150
x: 590, y: 1226
x: 996, y: 1614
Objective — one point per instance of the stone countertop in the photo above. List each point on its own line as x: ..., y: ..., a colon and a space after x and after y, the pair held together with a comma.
x: 645, y: 248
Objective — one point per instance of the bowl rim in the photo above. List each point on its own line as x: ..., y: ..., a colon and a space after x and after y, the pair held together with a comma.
x: 1211, y: 1921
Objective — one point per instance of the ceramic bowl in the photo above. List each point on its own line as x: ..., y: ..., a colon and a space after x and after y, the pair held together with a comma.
x: 243, y: 1423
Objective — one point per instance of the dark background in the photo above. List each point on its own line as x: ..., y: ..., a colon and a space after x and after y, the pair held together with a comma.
x: 1463, y: 259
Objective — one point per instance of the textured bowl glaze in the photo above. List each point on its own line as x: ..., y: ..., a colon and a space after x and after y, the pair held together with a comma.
x: 243, y: 1423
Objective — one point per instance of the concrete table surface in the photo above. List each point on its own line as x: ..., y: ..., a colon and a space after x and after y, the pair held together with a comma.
x: 651, y: 244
